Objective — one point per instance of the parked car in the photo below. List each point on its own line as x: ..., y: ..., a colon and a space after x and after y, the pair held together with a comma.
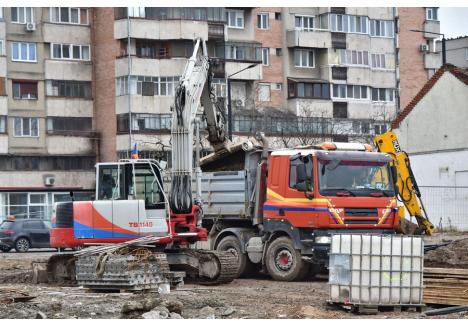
x: 23, y: 234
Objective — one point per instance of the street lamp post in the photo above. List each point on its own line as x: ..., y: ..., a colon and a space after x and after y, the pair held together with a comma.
x: 229, y: 98
x: 444, y: 57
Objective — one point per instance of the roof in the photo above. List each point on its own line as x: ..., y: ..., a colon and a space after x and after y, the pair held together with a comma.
x: 459, y: 73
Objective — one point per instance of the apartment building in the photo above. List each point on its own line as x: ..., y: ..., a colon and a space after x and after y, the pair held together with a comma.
x: 456, y: 51
x: 48, y: 146
x: 80, y: 85
x: 418, y: 58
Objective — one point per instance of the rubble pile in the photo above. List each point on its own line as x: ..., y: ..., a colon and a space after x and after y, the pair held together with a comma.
x: 453, y: 255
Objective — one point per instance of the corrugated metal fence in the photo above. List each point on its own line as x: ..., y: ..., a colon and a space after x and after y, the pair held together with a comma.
x: 447, y: 207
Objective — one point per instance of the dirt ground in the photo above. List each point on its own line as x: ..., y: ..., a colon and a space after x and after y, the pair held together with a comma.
x: 243, y: 298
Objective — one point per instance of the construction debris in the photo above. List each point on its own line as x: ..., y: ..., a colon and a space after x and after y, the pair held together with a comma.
x: 446, y: 286
x: 453, y: 255
x: 11, y: 296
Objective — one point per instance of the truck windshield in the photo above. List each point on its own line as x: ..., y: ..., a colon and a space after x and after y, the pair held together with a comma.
x: 355, y: 178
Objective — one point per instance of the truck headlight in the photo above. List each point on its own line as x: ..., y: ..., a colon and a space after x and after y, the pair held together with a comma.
x: 323, y: 239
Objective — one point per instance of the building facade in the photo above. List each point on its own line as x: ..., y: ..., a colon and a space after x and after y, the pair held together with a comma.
x: 456, y: 51
x: 418, y: 58
x: 81, y: 85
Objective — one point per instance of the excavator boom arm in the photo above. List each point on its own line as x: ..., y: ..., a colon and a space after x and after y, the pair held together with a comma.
x: 407, y: 187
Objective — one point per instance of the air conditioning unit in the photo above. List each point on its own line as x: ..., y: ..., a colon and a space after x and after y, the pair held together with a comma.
x: 49, y: 181
x: 30, y: 27
x: 424, y: 48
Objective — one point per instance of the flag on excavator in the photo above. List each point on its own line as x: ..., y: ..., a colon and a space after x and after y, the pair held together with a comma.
x: 135, y: 152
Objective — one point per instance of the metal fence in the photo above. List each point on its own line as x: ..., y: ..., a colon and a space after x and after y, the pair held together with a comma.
x: 447, y: 207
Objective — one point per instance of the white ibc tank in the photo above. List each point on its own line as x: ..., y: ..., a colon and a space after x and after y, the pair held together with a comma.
x: 376, y: 269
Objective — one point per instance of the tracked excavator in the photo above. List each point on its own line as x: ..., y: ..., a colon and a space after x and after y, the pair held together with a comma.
x: 136, y: 235
x: 406, y: 186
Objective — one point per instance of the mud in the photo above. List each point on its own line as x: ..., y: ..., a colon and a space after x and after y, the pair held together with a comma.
x: 454, y: 255
x: 259, y: 297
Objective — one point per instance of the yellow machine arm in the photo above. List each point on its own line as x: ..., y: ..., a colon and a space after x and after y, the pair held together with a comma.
x: 407, y: 188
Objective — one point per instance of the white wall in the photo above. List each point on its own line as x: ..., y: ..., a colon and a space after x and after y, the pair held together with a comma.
x: 439, y: 120
x: 443, y: 181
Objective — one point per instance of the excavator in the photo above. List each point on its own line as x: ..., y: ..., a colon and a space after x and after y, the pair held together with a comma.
x: 406, y: 186
x: 136, y: 235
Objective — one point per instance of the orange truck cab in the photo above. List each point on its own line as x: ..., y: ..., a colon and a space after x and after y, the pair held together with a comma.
x: 305, y: 196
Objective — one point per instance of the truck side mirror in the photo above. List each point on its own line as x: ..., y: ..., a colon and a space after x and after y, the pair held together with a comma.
x: 393, y: 171
x: 301, y: 186
x: 301, y: 173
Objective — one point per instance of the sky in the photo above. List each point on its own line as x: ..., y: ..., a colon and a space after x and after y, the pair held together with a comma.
x: 453, y: 21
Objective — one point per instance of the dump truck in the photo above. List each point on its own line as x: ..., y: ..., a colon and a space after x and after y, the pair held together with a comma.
x: 278, y: 208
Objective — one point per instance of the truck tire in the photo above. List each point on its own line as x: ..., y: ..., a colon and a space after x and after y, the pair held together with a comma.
x: 284, y: 262
x: 22, y: 244
x: 232, y: 244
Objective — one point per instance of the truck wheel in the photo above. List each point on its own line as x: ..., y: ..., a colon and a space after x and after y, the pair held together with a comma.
x: 232, y: 244
x: 284, y: 262
x: 22, y: 245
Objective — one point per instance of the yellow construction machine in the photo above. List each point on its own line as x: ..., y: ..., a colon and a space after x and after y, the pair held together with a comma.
x: 406, y: 185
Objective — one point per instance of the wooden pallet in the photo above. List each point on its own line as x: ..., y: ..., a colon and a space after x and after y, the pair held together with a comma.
x: 446, y: 286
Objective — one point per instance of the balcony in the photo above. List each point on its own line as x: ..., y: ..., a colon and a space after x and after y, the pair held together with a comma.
x: 338, y: 40
x: 161, y: 29
x: 432, y: 26
x: 150, y: 67
x: 3, y: 65
x: 432, y: 60
x: 216, y: 31
x: 68, y: 70
x: 3, y: 144
x: 66, y: 33
x: 69, y: 107
x: 308, y: 39
x: 3, y: 105
x: 60, y: 144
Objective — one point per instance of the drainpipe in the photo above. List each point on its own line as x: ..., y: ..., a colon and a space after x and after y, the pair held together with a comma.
x: 129, y: 73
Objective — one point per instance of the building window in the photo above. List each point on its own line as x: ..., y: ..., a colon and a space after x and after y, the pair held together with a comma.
x: 382, y: 95
x: 348, y: 24
x: 381, y: 28
x: 304, y: 23
x: 23, y: 52
x: 240, y: 51
x: 361, y: 127
x: 262, y: 20
x: 2, y: 47
x: 304, y: 58
x: 309, y: 90
x: 356, y: 92
x: 354, y: 57
x: 432, y: 13
x: 69, y: 51
x: 68, y: 88
x: 2, y: 87
x: 219, y: 87
x: 277, y: 16
x: 1, y: 12
x: 22, y: 15
x: 279, y: 52
x: 266, y: 56
x: 380, y: 128
x: 264, y: 91
x: 466, y: 54
x: 68, y: 15
x: 378, y: 61
x: 136, y: 12
x: 3, y: 120
x: 63, y: 124
x: 24, y: 90
x: 152, y: 50
x: 26, y: 127
x: 235, y: 18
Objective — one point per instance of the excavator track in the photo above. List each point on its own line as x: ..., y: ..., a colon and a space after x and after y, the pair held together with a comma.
x: 225, y: 261
x: 61, y: 269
